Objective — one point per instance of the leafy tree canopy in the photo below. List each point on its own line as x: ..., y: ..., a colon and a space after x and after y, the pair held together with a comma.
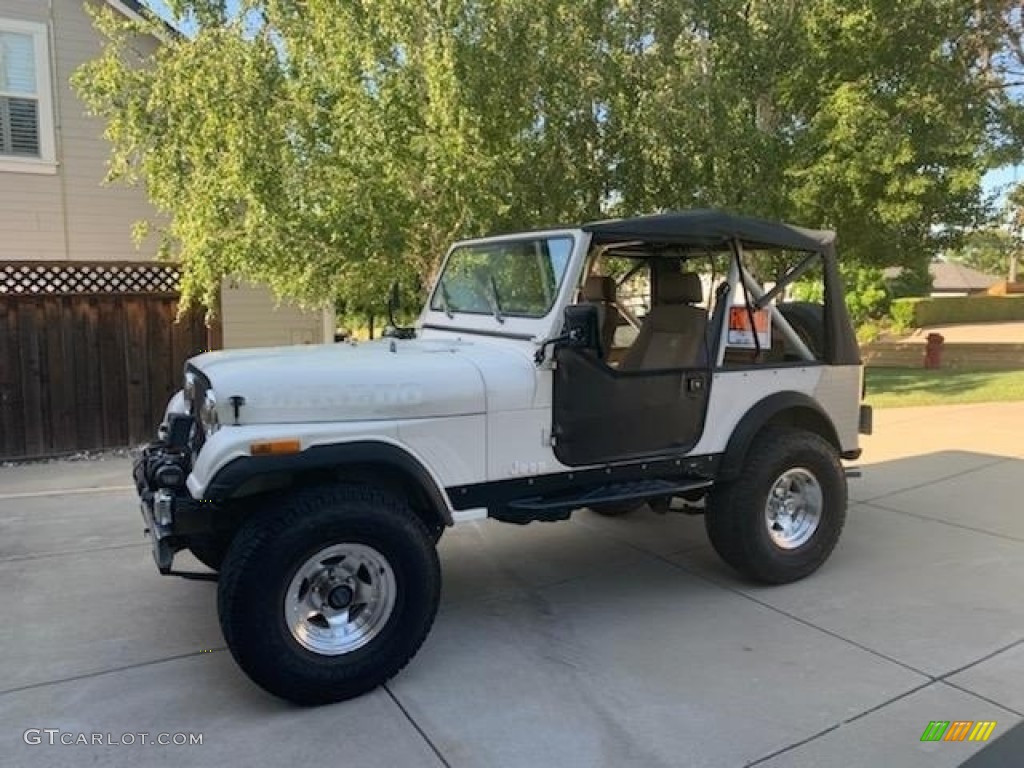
x: 996, y: 249
x: 329, y: 146
x: 987, y: 250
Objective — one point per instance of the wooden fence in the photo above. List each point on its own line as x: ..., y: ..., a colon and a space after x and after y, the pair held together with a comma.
x: 89, y: 354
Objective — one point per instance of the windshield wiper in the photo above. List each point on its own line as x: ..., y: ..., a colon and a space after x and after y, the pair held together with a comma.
x: 446, y: 301
x: 496, y: 301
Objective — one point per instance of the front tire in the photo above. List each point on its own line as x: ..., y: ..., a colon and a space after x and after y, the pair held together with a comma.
x: 210, y: 549
x: 328, y: 593
x: 780, y: 520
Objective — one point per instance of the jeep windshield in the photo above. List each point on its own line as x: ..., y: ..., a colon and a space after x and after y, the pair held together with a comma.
x: 503, y: 278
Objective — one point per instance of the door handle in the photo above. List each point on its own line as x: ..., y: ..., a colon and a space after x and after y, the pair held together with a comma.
x: 695, y: 386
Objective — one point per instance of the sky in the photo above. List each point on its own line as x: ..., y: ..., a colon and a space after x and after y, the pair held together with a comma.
x: 159, y: 7
x: 1001, y: 179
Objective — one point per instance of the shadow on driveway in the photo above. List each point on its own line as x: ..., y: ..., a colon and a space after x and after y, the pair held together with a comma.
x: 1005, y: 752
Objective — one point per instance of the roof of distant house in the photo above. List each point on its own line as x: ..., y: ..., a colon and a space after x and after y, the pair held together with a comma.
x: 139, y: 10
x: 951, y: 277
x: 131, y: 6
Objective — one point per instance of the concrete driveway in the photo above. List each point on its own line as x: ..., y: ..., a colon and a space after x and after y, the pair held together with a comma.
x: 599, y: 642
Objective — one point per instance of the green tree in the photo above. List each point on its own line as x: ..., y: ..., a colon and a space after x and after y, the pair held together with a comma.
x: 329, y: 146
x: 996, y: 249
x: 867, y: 296
x: 875, y: 118
x: 914, y: 280
x: 1015, y: 209
x: 987, y: 250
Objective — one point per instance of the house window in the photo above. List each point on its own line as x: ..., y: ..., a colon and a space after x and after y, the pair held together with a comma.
x: 26, y: 107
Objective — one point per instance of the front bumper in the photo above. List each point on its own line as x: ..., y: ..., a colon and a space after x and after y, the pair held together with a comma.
x: 161, y: 536
x: 169, y: 514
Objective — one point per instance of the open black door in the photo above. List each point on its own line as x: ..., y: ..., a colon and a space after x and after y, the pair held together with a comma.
x: 603, y: 415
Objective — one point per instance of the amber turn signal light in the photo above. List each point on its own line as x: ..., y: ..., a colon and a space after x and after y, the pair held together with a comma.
x: 274, y: 447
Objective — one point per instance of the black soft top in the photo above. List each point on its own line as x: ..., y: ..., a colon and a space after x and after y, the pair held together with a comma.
x: 711, y: 229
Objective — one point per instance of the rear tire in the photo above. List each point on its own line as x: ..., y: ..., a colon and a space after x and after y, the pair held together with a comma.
x: 780, y: 520
x: 329, y: 592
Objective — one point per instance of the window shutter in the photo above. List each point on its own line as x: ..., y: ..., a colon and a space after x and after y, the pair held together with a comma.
x: 19, y: 126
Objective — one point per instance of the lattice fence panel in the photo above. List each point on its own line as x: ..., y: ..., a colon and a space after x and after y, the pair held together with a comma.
x: 68, y: 278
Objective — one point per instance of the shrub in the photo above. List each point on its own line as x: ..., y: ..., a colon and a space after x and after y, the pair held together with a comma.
x: 866, y: 294
x: 868, y: 332
x: 963, y: 309
x: 902, y: 313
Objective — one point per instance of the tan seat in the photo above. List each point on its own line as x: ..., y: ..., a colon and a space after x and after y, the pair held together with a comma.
x: 600, y: 291
x: 672, y: 335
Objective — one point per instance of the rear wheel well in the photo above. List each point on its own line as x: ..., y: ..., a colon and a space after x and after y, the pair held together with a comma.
x: 807, y: 419
x: 783, y: 410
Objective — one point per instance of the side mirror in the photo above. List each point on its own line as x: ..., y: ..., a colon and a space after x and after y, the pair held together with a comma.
x: 582, y: 329
x: 393, y: 330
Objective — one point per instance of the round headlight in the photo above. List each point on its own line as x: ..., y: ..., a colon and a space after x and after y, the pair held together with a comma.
x: 208, y: 413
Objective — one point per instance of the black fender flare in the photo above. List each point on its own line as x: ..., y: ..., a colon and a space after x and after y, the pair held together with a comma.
x: 794, y: 408
x: 361, y: 453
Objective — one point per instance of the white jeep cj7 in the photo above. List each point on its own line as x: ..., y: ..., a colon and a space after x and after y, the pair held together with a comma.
x: 653, y: 360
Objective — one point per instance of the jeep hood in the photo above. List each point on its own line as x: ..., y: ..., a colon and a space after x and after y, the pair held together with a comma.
x: 374, y: 380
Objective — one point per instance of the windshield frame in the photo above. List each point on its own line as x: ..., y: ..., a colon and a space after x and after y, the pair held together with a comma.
x: 438, y: 304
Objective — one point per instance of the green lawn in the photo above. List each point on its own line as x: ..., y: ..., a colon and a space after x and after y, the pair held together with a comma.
x: 898, y: 387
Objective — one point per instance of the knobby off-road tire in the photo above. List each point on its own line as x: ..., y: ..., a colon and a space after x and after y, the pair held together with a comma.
x: 318, y: 561
x: 781, y: 518
x: 210, y: 550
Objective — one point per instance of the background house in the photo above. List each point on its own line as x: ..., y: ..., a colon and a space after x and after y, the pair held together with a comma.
x: 951, y: 279
x: 86, y: 318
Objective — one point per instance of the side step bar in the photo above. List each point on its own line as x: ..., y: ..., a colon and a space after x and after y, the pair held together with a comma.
x: 559, y: 507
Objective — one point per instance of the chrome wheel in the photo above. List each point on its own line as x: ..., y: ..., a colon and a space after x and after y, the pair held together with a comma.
x: 794, y: 508
x: 340, y: 599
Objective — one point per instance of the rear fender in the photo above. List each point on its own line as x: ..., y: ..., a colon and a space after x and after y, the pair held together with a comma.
x: 783, y: 408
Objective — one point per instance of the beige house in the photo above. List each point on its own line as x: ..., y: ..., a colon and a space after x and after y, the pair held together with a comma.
x: 950, y: 278
x: 53, y: 205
